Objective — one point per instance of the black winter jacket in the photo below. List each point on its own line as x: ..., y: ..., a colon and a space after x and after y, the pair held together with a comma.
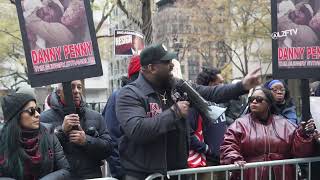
x: 56, y: 166
x: 155, y: 140
x: 85, y: 161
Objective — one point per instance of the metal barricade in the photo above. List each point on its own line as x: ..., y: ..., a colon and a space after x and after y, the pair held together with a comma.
x: 228, y: 168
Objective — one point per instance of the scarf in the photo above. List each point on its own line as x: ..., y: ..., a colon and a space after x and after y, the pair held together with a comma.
x: 30, y: 140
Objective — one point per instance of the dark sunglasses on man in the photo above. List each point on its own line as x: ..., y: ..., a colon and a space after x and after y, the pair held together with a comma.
x: 258, y: 99
x: 31, y: 111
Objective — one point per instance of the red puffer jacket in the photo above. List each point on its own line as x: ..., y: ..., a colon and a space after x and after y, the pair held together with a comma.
x: 247, y: 139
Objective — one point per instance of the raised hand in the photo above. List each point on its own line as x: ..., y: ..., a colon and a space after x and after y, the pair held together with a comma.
x: 252, y: 79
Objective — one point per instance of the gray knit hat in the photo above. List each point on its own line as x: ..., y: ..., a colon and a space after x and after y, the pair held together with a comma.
x: 12, y: 104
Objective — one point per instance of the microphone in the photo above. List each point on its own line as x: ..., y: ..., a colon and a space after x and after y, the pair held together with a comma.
x: 210, y: 110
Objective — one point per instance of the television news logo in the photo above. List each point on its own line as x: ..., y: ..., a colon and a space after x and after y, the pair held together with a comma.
x: 285, y: 33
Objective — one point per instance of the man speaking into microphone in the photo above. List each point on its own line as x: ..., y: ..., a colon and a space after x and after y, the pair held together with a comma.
x: 155, y: 136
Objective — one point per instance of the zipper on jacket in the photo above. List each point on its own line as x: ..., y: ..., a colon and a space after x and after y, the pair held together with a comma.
x: 265, y: 149
x: 166, y: 144
x: 165, y: 157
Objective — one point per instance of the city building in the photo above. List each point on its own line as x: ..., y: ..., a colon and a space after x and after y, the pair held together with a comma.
x: 195, y: 29
x: 117, y: 65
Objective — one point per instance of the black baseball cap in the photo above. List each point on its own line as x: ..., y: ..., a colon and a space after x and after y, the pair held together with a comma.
x: 155, y: 53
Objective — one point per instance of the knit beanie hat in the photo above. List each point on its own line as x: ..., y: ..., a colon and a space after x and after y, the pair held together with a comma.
x: 13, y: 103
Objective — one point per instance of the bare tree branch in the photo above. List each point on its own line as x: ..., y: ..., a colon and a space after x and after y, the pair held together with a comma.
x: 259, y: 20
x: 238, y: 56
x: 203, y: 56
x: 235, y: 21
x: 185, y: 48
x: 4, y: 84
x: 22, y: 77
x: 147, y: 21
x: 17, y: 83
x: 104, y: 18
x: 105, y: 36
x: 10, y: 34
x: 265, y: 73
x: 233, y: 62
x: 207, y: 16
x: 8, y: 75
x: 12, y: 1
x: 129, y: 16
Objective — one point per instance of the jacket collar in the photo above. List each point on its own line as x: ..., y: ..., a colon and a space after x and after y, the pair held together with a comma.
x: 269, y: 121
x: 144, y: 85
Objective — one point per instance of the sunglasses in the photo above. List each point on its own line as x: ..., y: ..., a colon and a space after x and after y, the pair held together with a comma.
x: 31, y: 111
x: 258, y: 99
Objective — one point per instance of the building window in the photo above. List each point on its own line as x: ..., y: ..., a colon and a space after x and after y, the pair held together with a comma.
x: 193, y: 68
x: 188, y: 28
x: 174, y: 17
x: 174, y: 28
x: 164, y: 28
x: 116, y: 11
x: 196, y: 29
x: 183, y: 71
x: 181, y: 29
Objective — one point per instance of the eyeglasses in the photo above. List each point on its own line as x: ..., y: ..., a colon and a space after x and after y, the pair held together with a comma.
x: 31, y: 111
x: 278, y: 90
x: 258, y: 99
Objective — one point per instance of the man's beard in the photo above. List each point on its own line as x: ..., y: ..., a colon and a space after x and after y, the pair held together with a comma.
x: 166, y: 82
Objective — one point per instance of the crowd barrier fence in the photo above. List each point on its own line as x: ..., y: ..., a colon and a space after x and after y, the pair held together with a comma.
x: 228, y: 168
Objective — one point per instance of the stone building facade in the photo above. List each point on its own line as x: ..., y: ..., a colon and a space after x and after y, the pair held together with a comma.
x: 195, y: 29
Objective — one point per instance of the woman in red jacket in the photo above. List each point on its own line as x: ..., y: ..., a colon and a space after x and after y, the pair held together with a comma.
x: 263, y: 136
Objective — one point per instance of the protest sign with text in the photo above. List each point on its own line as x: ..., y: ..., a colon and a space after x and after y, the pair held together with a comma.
x: 296, y: 39
x: 59, y: 40
x: 128, y: 43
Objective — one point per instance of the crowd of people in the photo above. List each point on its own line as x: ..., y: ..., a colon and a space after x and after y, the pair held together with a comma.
x: 146, y: 129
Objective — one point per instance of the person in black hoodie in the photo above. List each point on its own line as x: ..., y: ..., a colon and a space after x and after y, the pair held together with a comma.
x: 83, y: 136
x: 29, y: 149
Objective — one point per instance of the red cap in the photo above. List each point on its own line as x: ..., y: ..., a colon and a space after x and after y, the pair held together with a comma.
x: 134, y: 66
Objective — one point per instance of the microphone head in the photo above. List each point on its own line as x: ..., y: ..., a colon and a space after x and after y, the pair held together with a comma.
x: 177, y: 83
